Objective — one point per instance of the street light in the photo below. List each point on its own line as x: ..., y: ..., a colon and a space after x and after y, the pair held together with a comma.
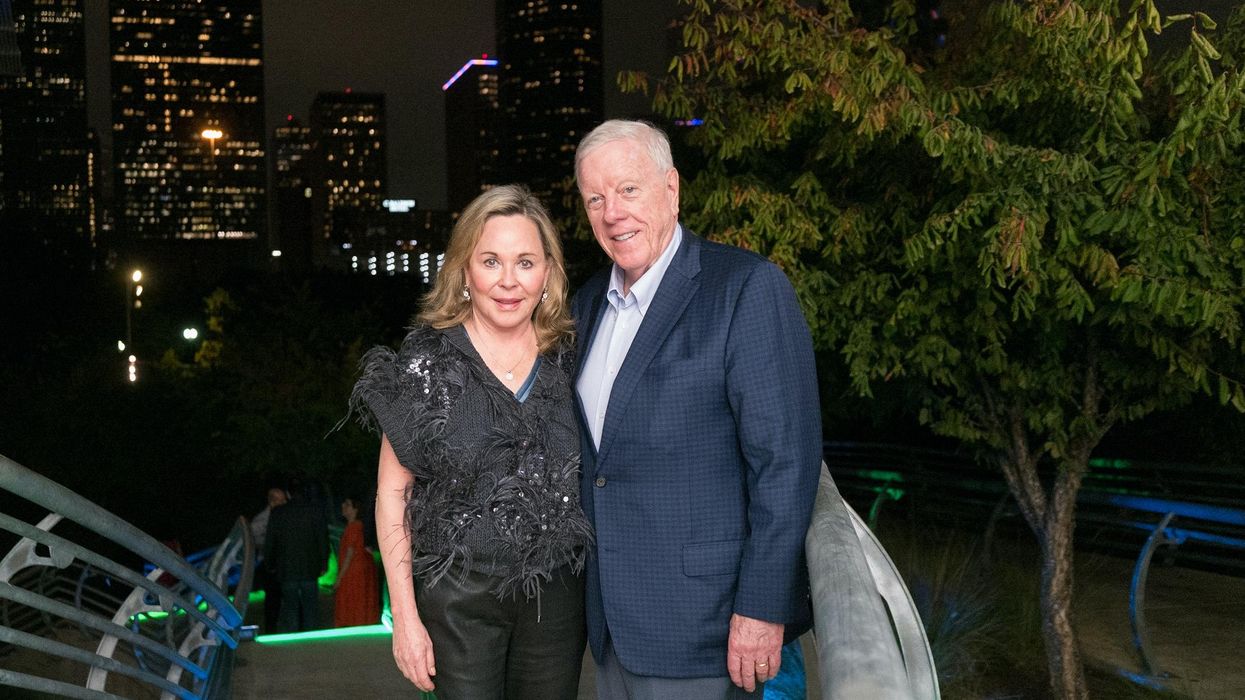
x: 190, y: 333
x: 211, y: 135
x: 131, y: 301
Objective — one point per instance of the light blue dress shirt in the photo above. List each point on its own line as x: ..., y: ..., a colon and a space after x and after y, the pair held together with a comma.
x: 621, y: 321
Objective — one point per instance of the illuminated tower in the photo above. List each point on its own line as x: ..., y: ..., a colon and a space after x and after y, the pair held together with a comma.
x: 472, y: 120
x: 47, y: 195
x: 348, y: 168
x: 188, y: 118
x: 550, y: 88
x: 292, y: 194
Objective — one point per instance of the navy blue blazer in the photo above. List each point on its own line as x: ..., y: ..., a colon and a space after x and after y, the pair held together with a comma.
x: 703, y: 486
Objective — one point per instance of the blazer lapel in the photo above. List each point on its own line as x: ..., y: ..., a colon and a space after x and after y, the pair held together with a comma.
x: 673, y: 295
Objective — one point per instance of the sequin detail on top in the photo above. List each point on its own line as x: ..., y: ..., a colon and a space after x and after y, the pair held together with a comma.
x: 496, y: 480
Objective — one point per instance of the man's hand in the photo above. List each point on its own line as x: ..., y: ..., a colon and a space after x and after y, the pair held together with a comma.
x: 753, y: 651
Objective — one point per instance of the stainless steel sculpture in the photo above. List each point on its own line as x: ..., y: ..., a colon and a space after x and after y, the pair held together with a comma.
x: 870, y: 641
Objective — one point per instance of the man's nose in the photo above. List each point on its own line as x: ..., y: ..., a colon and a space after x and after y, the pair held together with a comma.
x: 612, y: 209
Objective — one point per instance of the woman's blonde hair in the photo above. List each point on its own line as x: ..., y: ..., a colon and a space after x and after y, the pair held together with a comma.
x: 445, y: 305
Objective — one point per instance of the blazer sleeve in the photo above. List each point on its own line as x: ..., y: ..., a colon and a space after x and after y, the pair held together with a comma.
x: 771, y: 380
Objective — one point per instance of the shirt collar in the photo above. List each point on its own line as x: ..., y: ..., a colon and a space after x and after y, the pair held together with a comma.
x: 645, y: 288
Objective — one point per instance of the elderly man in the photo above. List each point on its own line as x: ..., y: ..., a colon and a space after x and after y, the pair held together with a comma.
x: 702, y: 442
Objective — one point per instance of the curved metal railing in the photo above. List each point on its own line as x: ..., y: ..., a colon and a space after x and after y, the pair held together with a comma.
x: 67, y: 604
x: 870, y: 640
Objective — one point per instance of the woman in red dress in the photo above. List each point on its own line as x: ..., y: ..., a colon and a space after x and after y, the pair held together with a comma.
x: 356, y: 599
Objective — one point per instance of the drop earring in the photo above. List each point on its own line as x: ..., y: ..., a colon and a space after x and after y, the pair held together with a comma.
x: 466, y: 293
x: 544, y: 296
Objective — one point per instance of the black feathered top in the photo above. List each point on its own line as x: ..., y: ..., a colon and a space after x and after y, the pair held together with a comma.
x: 496, y: 480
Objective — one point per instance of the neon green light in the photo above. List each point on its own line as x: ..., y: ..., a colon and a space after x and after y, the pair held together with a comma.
x: 330, y: 575
x: 1104, y: 463
x: 160, y: 614
x: 317, y: 635
x: 879, y: 475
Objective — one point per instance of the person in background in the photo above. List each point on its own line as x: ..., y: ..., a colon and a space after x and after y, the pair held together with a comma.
x: 266, y: 576
x: 297, y: 548
x: 356, y: 596
x: 477, y: 506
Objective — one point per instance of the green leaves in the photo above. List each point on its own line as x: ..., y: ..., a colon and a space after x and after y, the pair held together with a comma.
x: 1042, y: 221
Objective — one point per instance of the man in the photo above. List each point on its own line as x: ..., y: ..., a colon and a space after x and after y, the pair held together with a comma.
x: 297, y: 548
x: 266, y: 575
x: 702, y: 443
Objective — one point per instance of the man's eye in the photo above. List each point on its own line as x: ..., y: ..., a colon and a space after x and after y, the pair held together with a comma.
x: 630, y: 189
x: 594, y: 201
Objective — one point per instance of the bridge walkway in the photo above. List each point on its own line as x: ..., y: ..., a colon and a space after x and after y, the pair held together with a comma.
x: 1197, y: 628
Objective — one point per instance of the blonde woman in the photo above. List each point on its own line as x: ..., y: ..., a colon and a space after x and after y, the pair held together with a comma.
x: 478, y: 515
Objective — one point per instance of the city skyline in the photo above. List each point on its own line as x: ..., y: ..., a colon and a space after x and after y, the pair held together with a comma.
x: 404, y: 50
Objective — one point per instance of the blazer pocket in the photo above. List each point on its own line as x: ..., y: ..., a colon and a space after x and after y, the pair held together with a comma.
x: 712, y: 558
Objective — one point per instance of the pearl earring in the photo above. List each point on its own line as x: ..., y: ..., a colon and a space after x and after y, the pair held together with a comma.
x: 544, y: 296
x: 466, y: 293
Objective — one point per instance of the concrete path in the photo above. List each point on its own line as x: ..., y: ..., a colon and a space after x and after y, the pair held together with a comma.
x: 1197, y: 631
x: 1196, y: 624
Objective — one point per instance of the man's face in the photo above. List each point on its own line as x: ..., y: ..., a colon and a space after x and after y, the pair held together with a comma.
x: 632, y: 205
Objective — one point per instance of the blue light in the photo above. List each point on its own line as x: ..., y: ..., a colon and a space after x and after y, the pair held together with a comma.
x: 466, y: 67
x: 688, y: 122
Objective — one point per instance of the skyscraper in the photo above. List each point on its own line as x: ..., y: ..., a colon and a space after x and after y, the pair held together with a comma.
x: 46, y: 152
x: 292, y: 146
x: 10, y: 55
x: 348, y: 168
x: 472, y: 121
x: 188, y: 119
x: 550, y: 89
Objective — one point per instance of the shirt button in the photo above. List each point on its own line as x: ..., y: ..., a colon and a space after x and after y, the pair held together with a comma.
x: 600, y: 481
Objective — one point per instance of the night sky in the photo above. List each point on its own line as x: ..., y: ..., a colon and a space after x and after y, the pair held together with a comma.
x: 405, y: 49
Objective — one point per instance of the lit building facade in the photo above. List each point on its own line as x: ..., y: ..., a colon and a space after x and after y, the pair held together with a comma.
x: 47, y: 155
x: 348, y: 168
x: 188, y: 119
x: 550, y: 89
x: 472, y: 123
x: 399, y: 239
x: 292, y: 149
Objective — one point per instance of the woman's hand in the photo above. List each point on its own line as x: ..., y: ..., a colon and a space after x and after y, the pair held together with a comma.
x: 412, y: 652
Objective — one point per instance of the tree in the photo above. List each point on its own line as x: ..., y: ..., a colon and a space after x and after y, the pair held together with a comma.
x: 1037, y: 227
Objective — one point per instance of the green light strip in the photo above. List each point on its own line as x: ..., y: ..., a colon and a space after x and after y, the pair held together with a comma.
x: 318, y: 635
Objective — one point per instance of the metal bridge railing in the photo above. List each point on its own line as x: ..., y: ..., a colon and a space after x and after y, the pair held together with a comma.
x: 98, y: 628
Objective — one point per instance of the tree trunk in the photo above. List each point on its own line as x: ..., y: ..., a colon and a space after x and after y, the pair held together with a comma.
x: 1063, y: 655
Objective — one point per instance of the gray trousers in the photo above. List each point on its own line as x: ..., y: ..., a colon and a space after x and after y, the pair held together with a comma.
x: 617, y: 683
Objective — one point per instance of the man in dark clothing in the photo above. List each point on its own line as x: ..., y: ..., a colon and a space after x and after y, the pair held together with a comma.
x: 297, y: 548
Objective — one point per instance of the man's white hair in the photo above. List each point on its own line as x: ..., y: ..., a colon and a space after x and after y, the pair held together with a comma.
x: 653, y: 139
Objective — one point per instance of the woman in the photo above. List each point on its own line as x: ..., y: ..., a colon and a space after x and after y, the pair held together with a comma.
x: 478, y: 483
x: 356, y: 595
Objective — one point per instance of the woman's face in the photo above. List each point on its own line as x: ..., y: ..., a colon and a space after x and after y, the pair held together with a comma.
x: 349, y: 512
x: 507, y: 272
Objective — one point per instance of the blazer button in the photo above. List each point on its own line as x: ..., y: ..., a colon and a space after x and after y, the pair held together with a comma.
x: 600, y: 481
